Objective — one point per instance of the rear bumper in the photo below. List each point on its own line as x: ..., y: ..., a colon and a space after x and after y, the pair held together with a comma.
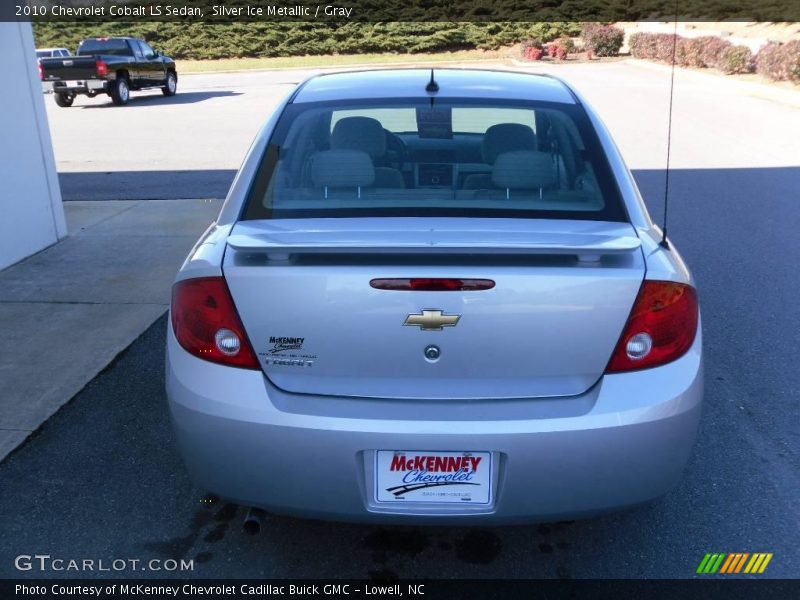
x: 75, y: 87
x: 623, y: 443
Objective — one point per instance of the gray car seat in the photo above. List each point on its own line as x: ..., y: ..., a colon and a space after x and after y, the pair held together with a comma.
x: 499, y: 139
x: 524, y: 171
x: 367, y: 135
x: 343, y: 171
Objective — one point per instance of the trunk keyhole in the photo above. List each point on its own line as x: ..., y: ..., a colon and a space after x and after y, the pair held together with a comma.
x: 432, y: 353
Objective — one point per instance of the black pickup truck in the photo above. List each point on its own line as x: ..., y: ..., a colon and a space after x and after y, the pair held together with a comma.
x: 113, y: 66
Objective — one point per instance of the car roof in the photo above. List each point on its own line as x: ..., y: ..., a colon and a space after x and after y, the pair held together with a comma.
x: 453, y: 83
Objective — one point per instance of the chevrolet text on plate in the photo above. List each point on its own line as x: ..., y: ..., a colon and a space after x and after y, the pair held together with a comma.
x: 434, y: 296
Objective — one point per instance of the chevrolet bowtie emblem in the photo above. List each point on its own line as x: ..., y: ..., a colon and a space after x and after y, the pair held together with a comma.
x: 431, y: 320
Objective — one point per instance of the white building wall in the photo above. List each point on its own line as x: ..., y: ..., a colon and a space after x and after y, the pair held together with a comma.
x: 31, y: 213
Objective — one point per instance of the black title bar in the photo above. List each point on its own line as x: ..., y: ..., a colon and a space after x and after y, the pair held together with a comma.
x: 229, y: 11
x: 183, y: 589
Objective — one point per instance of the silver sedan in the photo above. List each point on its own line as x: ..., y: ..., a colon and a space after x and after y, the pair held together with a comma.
x: 434, y: 297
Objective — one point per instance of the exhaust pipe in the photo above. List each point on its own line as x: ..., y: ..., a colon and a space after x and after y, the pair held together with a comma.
x: 253, y: 521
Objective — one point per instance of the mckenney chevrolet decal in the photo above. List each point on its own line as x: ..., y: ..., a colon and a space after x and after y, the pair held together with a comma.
x: 282, y: 344
x: 287, y: 352
x: 419, y: 475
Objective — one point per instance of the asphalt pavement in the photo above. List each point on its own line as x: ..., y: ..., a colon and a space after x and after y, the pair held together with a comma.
x: 102, y: 479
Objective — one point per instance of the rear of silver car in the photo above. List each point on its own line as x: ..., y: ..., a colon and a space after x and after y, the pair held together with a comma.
x: 407, y: 351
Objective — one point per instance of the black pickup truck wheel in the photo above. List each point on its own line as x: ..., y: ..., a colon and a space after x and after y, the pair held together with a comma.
x: 64, y: 100
x: 120, y: 91
x: 170, y: 85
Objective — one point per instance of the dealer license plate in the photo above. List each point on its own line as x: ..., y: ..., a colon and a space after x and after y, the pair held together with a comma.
x: 433, y: 477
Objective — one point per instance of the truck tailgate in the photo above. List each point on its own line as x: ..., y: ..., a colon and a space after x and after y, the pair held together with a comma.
x: 69, y: 68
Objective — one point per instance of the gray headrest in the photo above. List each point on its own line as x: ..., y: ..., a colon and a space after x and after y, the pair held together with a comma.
x: 506, y: 137
x: 524, y: 170
x: 342, y: 168
x: 359, y: 133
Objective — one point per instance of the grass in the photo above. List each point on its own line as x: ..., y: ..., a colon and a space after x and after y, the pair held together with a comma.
x: 338, y: 60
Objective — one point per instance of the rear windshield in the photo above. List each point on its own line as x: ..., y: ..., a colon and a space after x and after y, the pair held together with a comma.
x: 450, y: 158
x: 113, y: 47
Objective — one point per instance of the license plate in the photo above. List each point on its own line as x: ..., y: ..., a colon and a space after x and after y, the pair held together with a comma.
x: 433, y: 477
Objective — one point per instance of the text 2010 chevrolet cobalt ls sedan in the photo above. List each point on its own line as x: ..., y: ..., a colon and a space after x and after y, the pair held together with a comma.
x: 434, y: 297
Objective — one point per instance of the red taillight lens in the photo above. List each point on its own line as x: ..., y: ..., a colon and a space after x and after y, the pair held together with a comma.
x: 432, y: 284
x: 207, y: 325
x: 41, y: 71
x: 661, y: 328
x: 102, y: 67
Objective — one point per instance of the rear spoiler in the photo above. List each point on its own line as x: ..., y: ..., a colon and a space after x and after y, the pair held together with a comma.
x: 606, y: 239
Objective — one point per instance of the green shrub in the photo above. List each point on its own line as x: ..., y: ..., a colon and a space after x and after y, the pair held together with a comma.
x: 603, y: 40
x: 779, y: 62
x: 532, y: 43
x: 556, y: 52
x: 689, y: 52
x: 664, y: 46
x: 550, y: 31
x: 771, y: 62
x: 532, y: 49
x: 703, y: 51
x: 229, y: 40
x: 642, y: 45
x: 736, y: 59
x: 793, y: 57
x: 565, y: 43
x: 712, y: 49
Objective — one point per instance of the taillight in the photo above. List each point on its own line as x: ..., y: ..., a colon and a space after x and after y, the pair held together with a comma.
x: 41, y: 71
x: 207, y: 325
x: 102, y: 67
x: 661, y: 328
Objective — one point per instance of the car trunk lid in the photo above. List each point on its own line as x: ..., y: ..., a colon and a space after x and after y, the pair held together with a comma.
x: 562, y: 295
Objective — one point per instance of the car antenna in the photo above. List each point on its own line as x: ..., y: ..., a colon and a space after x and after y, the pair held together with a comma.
x: 432, y: 87
x: 664, y: 243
